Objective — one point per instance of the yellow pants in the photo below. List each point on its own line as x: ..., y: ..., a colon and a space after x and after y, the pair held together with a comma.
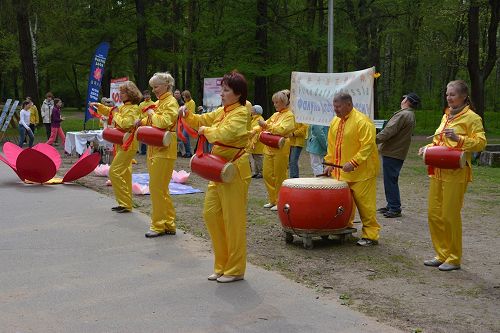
x: 162, y: 208
x: 365, y: 200
x: 274, y: 173
x: 445, y: 222
x: 225, y: 214
x: 120, y: 174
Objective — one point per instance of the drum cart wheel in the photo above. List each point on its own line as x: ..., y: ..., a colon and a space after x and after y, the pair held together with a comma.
x: 307, y: 242
x: 288, y: 237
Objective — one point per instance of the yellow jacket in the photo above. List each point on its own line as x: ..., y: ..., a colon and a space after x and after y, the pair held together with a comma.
x: 164, y: 117
x: 469, y: 127
x: 34, y: 117
x: 254, y: 140
x: 299, y: 134
x: 280, y: 123
x: 352, y: 139
x: 191, y: 106
x: 229, y: 126
x: 145, y: 104
x: 125, y: 117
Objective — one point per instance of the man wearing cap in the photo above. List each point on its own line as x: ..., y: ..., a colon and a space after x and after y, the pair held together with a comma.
x: 394, y: 141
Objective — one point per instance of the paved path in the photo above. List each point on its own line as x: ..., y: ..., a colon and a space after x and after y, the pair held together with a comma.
x: 69, y: 264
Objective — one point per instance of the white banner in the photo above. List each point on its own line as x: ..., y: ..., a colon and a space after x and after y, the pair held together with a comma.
x: 312, y: 94
x: 211, y: 93
x: 114, y: 90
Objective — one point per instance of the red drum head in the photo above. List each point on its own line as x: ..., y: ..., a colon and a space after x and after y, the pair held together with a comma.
x: 444, y: 157
x: 271, y: 140
x: 212, y: 167
x: 153, y: 136
x: 114, y: 135
x: 314, y: 204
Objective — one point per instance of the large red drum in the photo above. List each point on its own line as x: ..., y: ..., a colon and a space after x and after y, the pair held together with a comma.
x: 272, y: 140
x: 314, y: 205
x: 153, y: 136
x: 114, y: 135
x: 212, y: 167
x: 444, y: 157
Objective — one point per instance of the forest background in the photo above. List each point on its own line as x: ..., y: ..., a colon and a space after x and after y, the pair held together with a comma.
x: 417, y: 45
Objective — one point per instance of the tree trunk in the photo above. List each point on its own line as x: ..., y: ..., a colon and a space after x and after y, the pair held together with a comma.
x: 260, y: 95
x: 313, y: 52
x: 191, y: 17
x: 30, y: 84
x: 478, y: 75
x: 142, y: 49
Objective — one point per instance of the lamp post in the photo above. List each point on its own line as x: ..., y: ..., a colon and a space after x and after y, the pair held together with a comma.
x: 330, y: 36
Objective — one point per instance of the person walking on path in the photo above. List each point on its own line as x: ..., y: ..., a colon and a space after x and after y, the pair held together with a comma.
x: 351, y: 144
x: 46, y: 111
x: 394, y: 141
x: 56, y: 118
x: 24, y: 121
x: 461, y: 128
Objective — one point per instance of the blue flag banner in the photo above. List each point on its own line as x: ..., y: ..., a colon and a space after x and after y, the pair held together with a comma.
x: 95, y: 76
x: 4, y: 111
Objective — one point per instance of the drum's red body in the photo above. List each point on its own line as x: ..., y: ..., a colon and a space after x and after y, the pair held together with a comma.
x: 114, y: 135
x: 314, y: 204
x: 212, y: 167
x: 444, y: 157
x: 153, y: 136
x: 271, y: 140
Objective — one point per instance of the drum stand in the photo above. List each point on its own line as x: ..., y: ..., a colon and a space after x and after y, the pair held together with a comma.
x: 307, y: 235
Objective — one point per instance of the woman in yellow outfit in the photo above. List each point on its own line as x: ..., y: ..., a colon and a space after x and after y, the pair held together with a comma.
x: 460, y: 128
x: 297, y: 142
x: 161, y: 160
x: 282, y: 123
x: 225, y: 205
x: 120, y: 171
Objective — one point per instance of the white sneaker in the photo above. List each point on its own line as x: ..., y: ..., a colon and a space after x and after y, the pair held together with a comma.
x: 268, y: 205
x: 274, y: 208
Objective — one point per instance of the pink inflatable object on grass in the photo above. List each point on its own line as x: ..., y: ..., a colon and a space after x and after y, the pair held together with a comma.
x: 180, y: 176
x: 140, y: 189
x: 102, y: 170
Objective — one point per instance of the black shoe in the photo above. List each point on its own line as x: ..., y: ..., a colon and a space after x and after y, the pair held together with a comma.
x: 123, y: 210
x: 253, y: 176
x: 258, y: 176
x: 390, y: 214
x: 383, y: 210
x: 117, y: 208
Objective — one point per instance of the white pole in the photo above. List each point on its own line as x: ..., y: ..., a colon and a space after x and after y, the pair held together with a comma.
x: 330, y: 36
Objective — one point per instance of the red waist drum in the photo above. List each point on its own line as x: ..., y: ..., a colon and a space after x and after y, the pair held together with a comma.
x: 444, y: 157
x: 314, y: 204
x: 153, y: 136
x: 272, y: 140
x: 212, y: 167
x: 114, y: 135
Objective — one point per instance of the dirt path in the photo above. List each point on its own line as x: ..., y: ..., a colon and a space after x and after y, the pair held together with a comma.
x: 388, y: 281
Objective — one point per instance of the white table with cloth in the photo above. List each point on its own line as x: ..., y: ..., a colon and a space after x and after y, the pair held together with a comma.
x: 77, y: 141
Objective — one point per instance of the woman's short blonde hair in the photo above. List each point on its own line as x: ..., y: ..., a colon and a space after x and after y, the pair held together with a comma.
x: 163, y: 78
x: 282, y: 96
x: 133, y: 93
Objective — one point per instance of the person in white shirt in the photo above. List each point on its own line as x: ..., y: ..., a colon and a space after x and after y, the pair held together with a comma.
x: 24, y: 124
x: 46, y: 110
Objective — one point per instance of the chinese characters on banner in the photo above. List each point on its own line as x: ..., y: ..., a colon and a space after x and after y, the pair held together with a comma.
x: 311, y: 96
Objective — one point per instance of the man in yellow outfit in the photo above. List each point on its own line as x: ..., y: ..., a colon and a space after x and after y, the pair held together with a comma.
x: 225, y: 208
x: 120, y: 171
x: 255, y: 147
x: 34, y: 117
x: 282, y: 123
x: 351, y: 144
x: 161, y: 160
